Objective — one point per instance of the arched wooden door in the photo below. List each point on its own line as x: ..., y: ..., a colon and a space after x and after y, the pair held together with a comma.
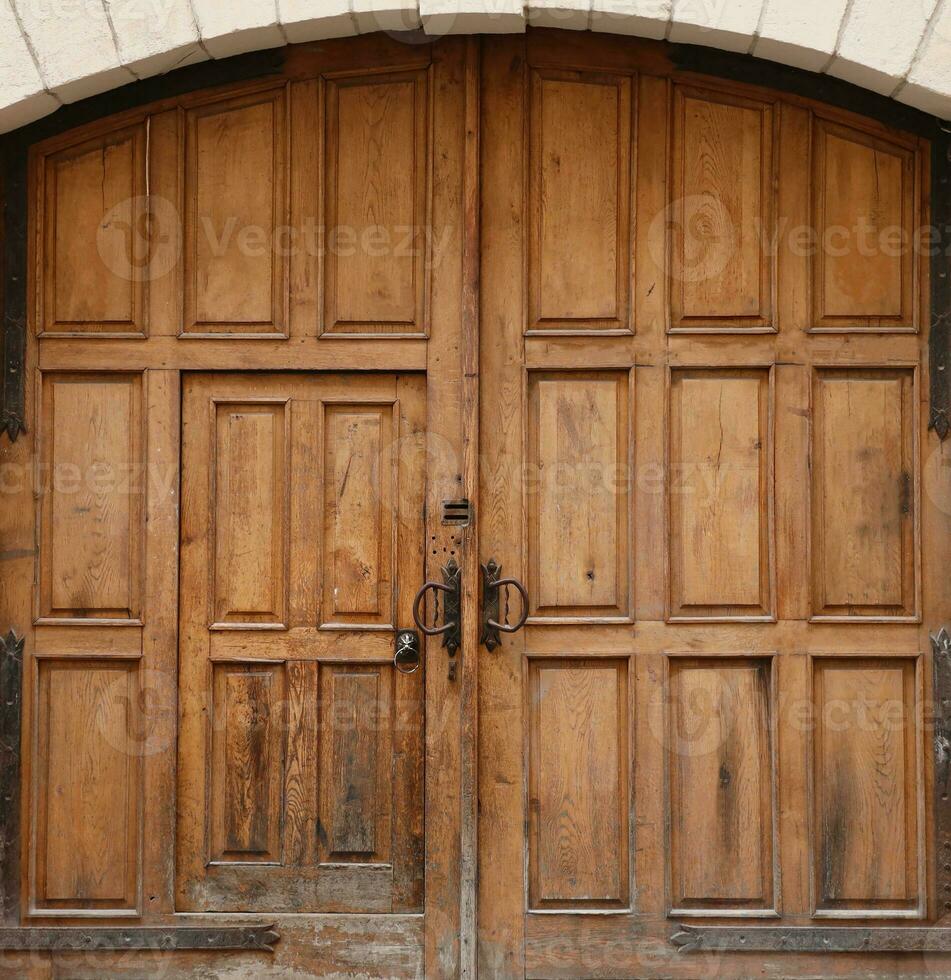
x: 705, y: 316
x: 678, y: 389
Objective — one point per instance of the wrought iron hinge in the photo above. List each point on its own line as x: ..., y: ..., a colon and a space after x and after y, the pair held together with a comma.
x: 178, y: 937
x: 11, y: 686
x: 941, y: 666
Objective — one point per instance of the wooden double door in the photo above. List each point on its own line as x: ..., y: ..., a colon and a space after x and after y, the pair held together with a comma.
x: 642, y: 337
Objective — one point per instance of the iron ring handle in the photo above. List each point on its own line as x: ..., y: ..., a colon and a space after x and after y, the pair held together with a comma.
x: 523, y: 593
x: 417, y: 619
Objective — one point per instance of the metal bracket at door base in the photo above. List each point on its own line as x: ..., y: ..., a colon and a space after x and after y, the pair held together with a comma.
x: 812, y: 939
x: 228, y: 937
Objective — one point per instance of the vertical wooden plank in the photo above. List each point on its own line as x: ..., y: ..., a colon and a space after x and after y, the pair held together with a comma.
x: 650, y: 312
x: 501, y: 766
x: 409, y: 708
x: 159, y: 680
x: 446, y: 422
x: 469, y: 678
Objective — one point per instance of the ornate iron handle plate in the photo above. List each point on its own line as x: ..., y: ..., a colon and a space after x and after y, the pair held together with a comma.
x: 492, y: 587
x: 451, y: 629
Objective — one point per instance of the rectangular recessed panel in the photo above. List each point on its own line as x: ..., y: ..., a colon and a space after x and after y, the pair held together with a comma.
x: 720, y: 784
x: 235, y: 200
x: 721, y: 212
x: 579, y: 192
x: 252, y: 483
x: 863, y: 492
x: 88, y: 787
x: 865, y: 211
x: 719, y: 493
x: 578, y: 784
x: 91, y: 534
x: 378, y: 239
x: 578, y: 493
x: 247, y: 762
x: 356, y: 763
x: 93, y: 252
x: 359, y: 509
x: 866, y: 785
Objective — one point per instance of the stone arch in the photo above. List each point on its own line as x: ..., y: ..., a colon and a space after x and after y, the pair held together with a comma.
x: 55, y: 52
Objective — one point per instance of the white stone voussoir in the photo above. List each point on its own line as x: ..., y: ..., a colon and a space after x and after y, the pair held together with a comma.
x: 55, y: 51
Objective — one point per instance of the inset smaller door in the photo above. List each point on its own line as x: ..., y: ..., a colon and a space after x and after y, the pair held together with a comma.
x: 301, y: 745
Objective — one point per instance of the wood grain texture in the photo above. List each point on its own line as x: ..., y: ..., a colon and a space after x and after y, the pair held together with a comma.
x: 247, y: 762
x: 578, y: 856
x: 579, y: 451
x: 85, y: 855
x: 721, y: 213
x: 250, y: 505
x: 235, y: 197
x: 377, y: 204
x: 359, y: 492
x: 867, y: 787
x: 580, y: 173
x: 864, y: 493
x: 355, y: 792
x: 721, y: 780
x: 865, y: 209
x: 720, y: 486
x: 91, y: 508
x: 397, y: 138
x: 94, y: 244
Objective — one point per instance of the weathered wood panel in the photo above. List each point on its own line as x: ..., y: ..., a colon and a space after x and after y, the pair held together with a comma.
x: 250, y: 513
x: 867, y: 787
x: 246, y: 799
x: 720, y: 493
x: 359, y: 510
x: 866, y: 218
x: 864, y: 493
x: 356, y: 763
x: 578, y: 847
x: 578, y: 497
x: 92, y: 506
x: 377, y: 204
x: 235, y: 192
x: 721, y: 783
x: 580, y: 174
x: 721, y: 212
x: 93, y: 248
x: 87, y: 792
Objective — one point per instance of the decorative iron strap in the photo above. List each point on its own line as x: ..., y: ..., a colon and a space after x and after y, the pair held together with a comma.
x: 939, y: 340
x: 11, y: 679
x: 941, y: 666
x: 13, y: 287
x: 230, y: 937
x: 812, y: 939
